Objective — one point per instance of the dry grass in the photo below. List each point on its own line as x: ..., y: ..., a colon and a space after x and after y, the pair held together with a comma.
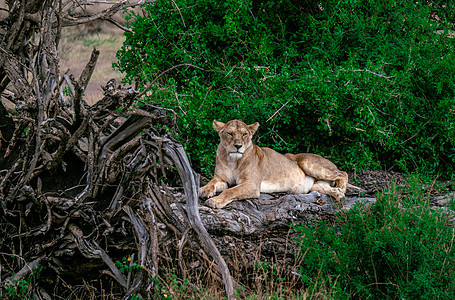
x: 76, y: 46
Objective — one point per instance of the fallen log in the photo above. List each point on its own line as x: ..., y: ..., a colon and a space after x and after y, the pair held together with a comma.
x: 258, y: 216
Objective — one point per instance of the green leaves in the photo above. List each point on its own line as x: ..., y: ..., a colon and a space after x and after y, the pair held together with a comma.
x: 397, y: 248
x: 371, y: 87
x: 127, y: 265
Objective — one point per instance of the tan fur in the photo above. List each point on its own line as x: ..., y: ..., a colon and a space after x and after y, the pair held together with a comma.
x: 250, y: 170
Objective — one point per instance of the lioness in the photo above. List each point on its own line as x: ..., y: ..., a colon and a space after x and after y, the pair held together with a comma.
x: 251, y: 169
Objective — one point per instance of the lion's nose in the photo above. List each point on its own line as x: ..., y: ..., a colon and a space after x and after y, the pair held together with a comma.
x: 238, y: 147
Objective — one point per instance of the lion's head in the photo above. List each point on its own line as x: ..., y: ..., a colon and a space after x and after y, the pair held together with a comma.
x: 235, y: 136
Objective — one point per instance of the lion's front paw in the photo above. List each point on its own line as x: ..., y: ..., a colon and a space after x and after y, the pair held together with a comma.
x: 215, y: 203
x: 207, y: 191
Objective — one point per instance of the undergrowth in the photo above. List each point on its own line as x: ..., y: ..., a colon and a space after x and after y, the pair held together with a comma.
x: 397, y: 248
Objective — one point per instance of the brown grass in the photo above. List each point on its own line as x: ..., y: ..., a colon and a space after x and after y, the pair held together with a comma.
x: 76, y: 46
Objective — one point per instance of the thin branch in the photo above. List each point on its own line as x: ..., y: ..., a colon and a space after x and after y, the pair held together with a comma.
x: 70, y: 20
x: 149, y: 86
x: 272, y: 116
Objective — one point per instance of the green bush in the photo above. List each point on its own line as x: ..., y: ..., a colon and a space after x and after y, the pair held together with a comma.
x: 368, y: 84
x: 399, y: 248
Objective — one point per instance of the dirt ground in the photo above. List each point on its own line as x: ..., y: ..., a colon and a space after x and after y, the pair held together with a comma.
x: 76, y: 46
x: 374, y: 181
x: 78, y: 42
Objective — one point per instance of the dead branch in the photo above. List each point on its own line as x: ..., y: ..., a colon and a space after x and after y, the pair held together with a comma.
x: 71, y: 17
x: 191, y: 187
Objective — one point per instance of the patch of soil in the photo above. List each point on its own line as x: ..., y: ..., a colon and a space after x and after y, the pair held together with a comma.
x: 373, y: 181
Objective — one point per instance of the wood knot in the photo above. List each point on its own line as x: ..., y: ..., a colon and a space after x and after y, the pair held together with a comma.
x: 320, y: 201
x: 270, y: 217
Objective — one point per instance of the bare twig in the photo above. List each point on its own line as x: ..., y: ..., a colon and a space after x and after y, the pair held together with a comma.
x: 149, y: 86
x: 70, y: 19
x: 284, y: 105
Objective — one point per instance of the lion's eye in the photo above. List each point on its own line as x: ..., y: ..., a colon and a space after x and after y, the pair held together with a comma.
x: 245, y: 134
x: 229, y: 134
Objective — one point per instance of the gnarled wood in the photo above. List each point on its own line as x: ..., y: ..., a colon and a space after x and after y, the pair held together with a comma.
x: 256, y: 217
x: 191, y: 187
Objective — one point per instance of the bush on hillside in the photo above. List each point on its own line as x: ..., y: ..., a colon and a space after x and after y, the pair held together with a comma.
x: 368, y: 84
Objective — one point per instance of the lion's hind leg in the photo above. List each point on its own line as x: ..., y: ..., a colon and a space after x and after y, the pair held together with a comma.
x: 322, y: 169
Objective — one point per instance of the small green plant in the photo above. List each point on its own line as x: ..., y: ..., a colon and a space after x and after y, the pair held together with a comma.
x: 451, y: 203
x: 67, y: 91
x: 172, y: 287
x: 127, y: 265
x: 398, y: 247
x: 22, y: 289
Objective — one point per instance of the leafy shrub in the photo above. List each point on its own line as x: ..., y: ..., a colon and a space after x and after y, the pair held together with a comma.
x: 397, y: 248
x: 368, y: 83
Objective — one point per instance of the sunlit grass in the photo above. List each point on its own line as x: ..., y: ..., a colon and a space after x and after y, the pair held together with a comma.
x: 76, y: 47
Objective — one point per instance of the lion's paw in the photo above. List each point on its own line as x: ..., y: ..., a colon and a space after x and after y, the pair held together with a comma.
x: 206, y: 191
x: 340, y: 197
x: 340, y: 194
x: 214, y: 203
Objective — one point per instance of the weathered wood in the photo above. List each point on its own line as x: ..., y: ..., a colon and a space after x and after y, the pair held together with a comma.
x: 191, y: 185
x: 258, y: 216
x: 25, y: 271
x: 91, y: 250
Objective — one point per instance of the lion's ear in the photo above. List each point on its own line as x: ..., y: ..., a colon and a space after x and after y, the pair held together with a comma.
x: 253, y: 127
x: 218, y: 126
